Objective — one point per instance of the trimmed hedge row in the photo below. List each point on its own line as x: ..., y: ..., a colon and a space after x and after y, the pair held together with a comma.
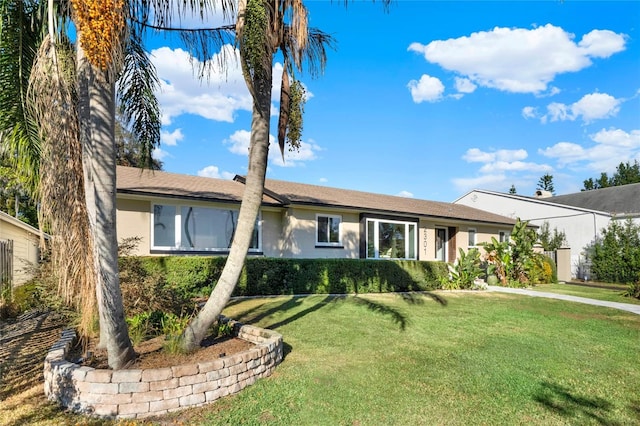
x: 196, y: 275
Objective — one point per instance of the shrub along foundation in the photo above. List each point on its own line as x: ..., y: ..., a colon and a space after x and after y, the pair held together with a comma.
x: 139, y: 393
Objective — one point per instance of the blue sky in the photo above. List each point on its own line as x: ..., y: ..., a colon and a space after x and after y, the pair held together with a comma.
x: 432, y: 99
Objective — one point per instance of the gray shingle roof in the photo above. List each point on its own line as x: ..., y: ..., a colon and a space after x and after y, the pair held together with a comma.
x: 622, y: 200
x: 131, y: 180
x: 299, y: 193
x: 280, y: 193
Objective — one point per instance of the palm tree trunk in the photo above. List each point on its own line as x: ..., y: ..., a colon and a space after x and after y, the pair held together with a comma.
x: 83, y: 75
x: 249, y: 208
x: 101, y: 187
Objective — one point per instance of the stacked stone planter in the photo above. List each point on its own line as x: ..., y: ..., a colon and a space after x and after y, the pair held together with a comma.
x: 139, y: 393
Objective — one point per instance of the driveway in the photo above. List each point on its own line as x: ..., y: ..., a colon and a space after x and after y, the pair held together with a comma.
x: 635, y: 309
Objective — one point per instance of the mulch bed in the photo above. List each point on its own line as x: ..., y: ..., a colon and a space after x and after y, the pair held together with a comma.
x: 151, y: 353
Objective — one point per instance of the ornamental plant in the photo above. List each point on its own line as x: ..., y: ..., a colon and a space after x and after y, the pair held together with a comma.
x: 465, y: 270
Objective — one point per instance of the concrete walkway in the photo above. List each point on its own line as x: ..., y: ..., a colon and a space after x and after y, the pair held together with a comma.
x: 635, y: 309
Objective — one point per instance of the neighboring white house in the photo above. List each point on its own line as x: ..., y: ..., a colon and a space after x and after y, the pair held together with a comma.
x: 24, y: 241
x: 581, y: 216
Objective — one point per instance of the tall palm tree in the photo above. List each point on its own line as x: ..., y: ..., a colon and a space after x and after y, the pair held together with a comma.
x: 103, y: 30
x: 42, y: 110
x: 263, y: 28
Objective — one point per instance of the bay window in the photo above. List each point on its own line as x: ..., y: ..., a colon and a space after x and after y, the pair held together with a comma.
x: 389, y: 239
x: 189, y: 228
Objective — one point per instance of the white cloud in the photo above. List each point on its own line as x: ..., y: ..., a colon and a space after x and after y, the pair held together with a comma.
x: 323, y: 180
x: 499, y: 169
x: 602, y: 43
x: 514, y: 166
x: 594, y: 106
x: 428, y: 89
x: 484, y: 181
x: 611, y: 147
x: 464, y: 85
x: 214, y: 172
x: 529, y: 112
x: 619, y: 138
x: 239, y: 144
x: 171, y: 139
x: 474, y: 155
x: 217, y: 98
x: 306, y: 152
x: 519, y: 60
x: 405, y: 194
x: 160, y: 154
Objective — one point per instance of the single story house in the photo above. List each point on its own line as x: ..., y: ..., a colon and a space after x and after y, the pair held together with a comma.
x: 581, y: 215
x: 180, y: 214
x: 19, y: 250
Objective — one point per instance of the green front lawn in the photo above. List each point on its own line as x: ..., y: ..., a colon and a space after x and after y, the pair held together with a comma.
x: 610, y: 295
x: 484, y: 358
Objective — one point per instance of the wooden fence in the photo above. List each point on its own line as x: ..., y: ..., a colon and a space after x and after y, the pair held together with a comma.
x: 6, y: 267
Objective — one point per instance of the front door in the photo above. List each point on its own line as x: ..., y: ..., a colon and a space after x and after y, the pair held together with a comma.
x: 441, y: 244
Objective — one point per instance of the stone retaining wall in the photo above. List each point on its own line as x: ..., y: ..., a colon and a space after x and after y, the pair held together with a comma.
x: 139, y: 393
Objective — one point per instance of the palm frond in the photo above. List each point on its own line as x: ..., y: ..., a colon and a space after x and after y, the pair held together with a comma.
x: 139, y: 106
x: 21, y: 29
x: 168, y: 15
x: 313, y: 57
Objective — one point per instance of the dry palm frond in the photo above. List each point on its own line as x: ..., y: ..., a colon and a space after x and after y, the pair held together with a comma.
x: 285, y: 102
x: 53, y: 99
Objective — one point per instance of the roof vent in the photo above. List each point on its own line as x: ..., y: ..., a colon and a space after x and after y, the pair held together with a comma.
x: 541, y: 193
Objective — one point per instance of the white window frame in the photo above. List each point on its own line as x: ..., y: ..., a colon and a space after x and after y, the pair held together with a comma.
x: 504, y: 236
x: 475, y: 237
x: 178, y: 232
x: 329, y: 217
x: 376, y: 237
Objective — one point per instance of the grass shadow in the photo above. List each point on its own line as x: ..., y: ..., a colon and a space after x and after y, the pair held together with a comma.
x: 635, y: 409
x: 256, y: 314
x: 380, y: 308
x: 324, y: 302
x: 563, y: 402
x: 415, y: 298
x: 412, y: 298
x: 23, y: 347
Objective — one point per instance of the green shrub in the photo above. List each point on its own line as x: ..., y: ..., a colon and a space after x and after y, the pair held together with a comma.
x: 195, y: 276
x: 541, y: 269
x: 615, y: 257
x: 633, y: 290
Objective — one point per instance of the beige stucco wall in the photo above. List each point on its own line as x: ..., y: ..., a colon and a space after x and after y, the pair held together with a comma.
x: 26, y: 254
x: 291, y: 232
x: 427, y: 242
x: 298, y: 239
x: 132, y: 220
x: 271, y: 223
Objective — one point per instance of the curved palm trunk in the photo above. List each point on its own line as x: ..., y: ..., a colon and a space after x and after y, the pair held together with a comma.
x: 100, y: 183
x: 249, y: 208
